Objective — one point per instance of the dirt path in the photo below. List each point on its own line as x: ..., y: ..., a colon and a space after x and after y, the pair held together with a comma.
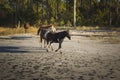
x: 22, y: 58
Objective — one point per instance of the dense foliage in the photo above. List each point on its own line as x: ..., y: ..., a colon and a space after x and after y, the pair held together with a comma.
x: 59, y: 12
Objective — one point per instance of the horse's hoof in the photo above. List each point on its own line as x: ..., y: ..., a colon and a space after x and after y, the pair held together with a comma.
x: 47, y: 50
x: 52, y: 49
x: 60, y: 52
x: 56, y: 50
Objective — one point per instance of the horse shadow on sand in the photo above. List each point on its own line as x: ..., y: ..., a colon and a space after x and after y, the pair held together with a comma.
x: 21, y: 49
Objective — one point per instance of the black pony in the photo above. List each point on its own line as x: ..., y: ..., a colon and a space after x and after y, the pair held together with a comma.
x: 56, y: 37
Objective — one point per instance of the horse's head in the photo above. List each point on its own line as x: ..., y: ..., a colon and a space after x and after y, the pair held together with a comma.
x: 68, y: 35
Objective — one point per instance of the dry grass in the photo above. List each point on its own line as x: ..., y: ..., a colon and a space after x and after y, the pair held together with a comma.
x: 106, y: 39
x: 112, y: 37
x: 85, y: 28
x: 79, y: 28
x: 33, y: 30
x: 112, y: 40
x: 9, y: 31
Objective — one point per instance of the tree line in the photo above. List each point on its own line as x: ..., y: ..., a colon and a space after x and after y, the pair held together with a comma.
x: 60, y: 12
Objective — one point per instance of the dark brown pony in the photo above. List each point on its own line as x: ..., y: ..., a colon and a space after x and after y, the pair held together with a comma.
x: 51, y: 26
x: 42, y: 31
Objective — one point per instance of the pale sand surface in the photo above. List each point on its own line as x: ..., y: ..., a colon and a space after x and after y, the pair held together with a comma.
x: 22, y: 58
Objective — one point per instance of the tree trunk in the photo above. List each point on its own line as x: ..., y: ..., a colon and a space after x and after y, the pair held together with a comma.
x: 117, y: 11
x: 47, y: 12
x: 42, y: 12
x: 16, y: 13
x: 57, y: 11
x: 80, y: 3
x: 110, y: 19
x: 74, y: 13
x: 37, y: 8
x: 90, y: 3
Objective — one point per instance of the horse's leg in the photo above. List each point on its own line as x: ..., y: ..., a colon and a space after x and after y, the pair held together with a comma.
x: 44, y: 43
x: 50, y: 46
x: 60, y: 43
x: 59, y: 46
x: 41, y: 40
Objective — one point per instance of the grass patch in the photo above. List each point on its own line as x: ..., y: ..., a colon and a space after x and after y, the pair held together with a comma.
x: 112, y: 40
x: 106, y: 39
x: 78, y: 28
x: 88, y: 28
x: 10, y: 31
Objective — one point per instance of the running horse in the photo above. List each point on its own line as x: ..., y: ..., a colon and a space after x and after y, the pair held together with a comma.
x: 43, y: 29
x: 56, y: 37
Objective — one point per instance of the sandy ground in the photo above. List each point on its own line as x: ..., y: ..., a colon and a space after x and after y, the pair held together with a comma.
x: 22, y: 58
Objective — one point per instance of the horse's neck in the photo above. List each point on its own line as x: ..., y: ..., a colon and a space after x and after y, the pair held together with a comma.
x: 45, y: 34
x: 62, y: 35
